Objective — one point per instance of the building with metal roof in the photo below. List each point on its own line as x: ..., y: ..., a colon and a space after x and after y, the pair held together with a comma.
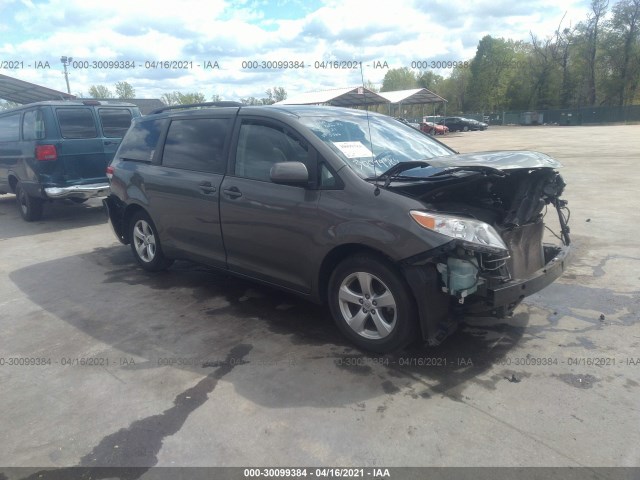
x: 19, y: 91
x: 337, y: 97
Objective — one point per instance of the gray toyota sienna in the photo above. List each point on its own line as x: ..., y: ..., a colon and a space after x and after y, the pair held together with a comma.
x: 400, y: 235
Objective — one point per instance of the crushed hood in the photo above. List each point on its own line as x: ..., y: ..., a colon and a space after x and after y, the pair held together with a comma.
x: 499, y: 159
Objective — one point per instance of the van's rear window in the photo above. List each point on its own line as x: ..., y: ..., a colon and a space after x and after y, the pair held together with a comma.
x: 76, y: 123
x: 115, y: 121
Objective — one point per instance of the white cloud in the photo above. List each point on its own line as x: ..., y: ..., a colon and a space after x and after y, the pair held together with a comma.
x: 396, y: 32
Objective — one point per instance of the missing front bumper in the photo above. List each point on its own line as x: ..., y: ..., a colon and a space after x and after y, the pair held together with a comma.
x: 514, y: 291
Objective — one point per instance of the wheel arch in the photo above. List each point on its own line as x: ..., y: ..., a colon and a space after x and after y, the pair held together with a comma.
x: 335, y: 256
x: 13, y: 181
x: 128, y: 213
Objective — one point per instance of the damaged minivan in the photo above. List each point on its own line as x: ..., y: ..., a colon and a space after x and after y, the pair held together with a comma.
x: 401, y: 236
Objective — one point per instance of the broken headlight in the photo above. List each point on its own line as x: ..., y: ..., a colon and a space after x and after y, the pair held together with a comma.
x: 477, y: 235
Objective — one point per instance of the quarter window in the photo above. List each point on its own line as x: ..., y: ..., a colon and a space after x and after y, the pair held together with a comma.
x: 196, y: 144
x: 140, y: 144
x: 33, y: 125
x: 76, y: 123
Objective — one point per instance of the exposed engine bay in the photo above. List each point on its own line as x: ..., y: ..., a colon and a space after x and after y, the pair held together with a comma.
x: 514, y: 202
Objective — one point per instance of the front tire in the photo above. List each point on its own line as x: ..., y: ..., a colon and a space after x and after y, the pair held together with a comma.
x: 145, y: 244
x: 31, y: 208
x: 371, y: 304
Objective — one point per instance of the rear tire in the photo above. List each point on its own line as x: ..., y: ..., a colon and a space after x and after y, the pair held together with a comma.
x: 31, y: 208
x: 145, y: 244
x: 371, y: 304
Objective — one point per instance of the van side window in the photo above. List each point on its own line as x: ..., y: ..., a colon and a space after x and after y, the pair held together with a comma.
x: 10, y: 128
x: 76, y: 123
x: 115, y: 121
x: 140, y: 144
x: 196, y: 144
x: 33, y: 125
x: 260, y: 146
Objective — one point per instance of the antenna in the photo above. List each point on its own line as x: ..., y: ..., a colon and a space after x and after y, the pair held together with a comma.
x: 376, y: 192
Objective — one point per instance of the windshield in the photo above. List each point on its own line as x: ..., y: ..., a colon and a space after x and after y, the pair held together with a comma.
x: 372, y: 146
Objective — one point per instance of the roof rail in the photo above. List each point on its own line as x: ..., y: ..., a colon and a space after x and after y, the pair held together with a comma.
x: 197, y: 105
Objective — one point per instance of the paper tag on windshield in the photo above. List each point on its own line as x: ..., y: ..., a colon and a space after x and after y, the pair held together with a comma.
x: 353, y: 149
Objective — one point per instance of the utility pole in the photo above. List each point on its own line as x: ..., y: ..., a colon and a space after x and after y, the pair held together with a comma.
x: 66, y: 61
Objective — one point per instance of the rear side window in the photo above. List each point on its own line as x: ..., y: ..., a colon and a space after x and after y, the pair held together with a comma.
x: 196, y: 144
x: 76, y: 123
x: 10, y: 128
x: 33, y: 125
x: 140, y: 142
x: 115, y: 121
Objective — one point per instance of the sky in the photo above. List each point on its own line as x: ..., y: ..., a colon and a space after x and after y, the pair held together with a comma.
x: 226, y: 48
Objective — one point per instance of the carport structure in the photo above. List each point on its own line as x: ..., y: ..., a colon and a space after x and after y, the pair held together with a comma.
x: 362, y: 96
x: 415, y: 96
x: 19, y: 91
x: 337, y: 97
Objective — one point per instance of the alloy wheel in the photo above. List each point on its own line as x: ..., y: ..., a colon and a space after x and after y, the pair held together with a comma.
x: 144, y: 241
x: 367, y: 305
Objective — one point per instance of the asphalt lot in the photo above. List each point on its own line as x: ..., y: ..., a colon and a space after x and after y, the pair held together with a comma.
x: 192, y: 367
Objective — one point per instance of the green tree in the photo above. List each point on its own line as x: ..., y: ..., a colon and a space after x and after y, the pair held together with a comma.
x: 491, y: 69
x: 99, y: 91
x: 179, y: 98
x: 454, y: 89
x: 125, y: 90
x: 274, y: 95
x: 429, y: 80
x: 216, y: 98
x: 251, y: 101
x: 371, y: 86
x: 399, y: 79
x: 7, y: 105
x: 592, y: 33
x: 625, y: 35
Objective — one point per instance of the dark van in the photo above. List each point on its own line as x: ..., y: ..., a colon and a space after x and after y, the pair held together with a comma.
x: 59, y: 149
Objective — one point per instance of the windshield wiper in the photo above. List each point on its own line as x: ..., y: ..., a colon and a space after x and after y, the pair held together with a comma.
x: 471, y: 168
x: 397, y: 169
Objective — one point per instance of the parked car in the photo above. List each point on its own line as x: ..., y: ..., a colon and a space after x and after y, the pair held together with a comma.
x: 433, y: 128
x: 59, y: 149
x: 407, y: 122
x: 397, y: 233
x: 479, y: 125
x: 461, y: 124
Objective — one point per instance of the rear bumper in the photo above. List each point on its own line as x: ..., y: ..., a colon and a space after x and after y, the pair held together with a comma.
x: 78, y: 191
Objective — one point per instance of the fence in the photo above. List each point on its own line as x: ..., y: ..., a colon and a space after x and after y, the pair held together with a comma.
x: 567, y: 116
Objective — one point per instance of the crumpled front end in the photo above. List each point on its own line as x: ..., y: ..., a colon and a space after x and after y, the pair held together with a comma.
x: 497, y: 254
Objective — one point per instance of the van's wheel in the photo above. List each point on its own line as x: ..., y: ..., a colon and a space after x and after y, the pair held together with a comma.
x: 465, y: 129
x: 31, y: 208
x: 145, y: 244
x: 371, y: 304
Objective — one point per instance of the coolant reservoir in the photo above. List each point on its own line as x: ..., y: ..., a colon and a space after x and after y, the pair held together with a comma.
x: 460, y: 276
x: 463, y: 275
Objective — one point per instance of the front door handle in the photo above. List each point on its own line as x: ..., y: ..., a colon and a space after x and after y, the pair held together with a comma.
x: 207, y: 188
x: 232, y: 192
